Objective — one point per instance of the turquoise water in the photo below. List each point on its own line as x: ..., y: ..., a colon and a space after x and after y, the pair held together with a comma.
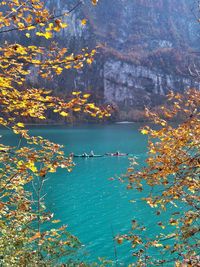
x: 95, y: 207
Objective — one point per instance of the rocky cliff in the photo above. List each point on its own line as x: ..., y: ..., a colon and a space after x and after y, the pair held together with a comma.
x: 135, y: 86
x: 146, y: 49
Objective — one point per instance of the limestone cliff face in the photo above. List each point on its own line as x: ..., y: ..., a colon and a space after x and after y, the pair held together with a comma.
x: 135, y: 86
x: 146, y: 48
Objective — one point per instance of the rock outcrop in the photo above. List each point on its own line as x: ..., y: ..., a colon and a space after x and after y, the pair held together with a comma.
x: 134, y: 86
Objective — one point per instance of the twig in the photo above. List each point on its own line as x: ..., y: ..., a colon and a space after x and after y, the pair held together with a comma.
x: 115, y: 249
x: 49, y: 19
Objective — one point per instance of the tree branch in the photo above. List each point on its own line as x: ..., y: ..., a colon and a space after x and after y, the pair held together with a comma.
x: 49, y: 19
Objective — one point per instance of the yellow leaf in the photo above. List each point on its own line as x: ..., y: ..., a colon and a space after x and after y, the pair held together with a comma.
x: 144, y: 131
x: 91, y: 105
x: 86, y: 95
x: 157, y: 245
x: 89, y: 61
x: 178, y: 264
x: 28, y: 35
x: 42, y: 117
x: 52, y: 170
x: 76, y: 109
x: 64, y: 114
x: 174, y: 222
x: 21, y: 50
x: 83, y: 22
x: 21, y: 25
x: 64, y: 25
x: 55, y: 221
x: 31, y: 166
x: 163, y: 123
x: 30, y: 28
x: 59, y: 70
x: 76, y: 93
x: 152, y: 151
x: 36, y: 236
x: 47, y: 35
x: 50, y: 26
x: 20, y: 124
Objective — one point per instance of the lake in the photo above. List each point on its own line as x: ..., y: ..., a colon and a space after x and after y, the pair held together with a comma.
x: 95, y: 207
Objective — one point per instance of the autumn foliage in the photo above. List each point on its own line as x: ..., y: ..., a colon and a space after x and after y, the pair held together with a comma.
x: 171, y: 176
x: 25, y: 166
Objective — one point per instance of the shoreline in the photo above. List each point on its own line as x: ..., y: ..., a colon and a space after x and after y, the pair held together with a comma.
x: 89, y: 123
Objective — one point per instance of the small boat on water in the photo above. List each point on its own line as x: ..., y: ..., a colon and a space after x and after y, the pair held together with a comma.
x: 117, y: 154
x: 87, y: 156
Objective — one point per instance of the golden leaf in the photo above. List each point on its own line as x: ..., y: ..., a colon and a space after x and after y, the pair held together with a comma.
x: 94, y: 2
x: 64, y: 114
x: 36, y: 236
x: 76, y: 93
x: 28, y: 35
x: 83, y: 22
x: 55, y: 221
x: 144, y: 131
x: 86, y: 95
x: 20, y: 124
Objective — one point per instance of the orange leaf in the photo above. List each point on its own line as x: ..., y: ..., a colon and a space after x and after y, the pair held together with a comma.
x: 36, y: 236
